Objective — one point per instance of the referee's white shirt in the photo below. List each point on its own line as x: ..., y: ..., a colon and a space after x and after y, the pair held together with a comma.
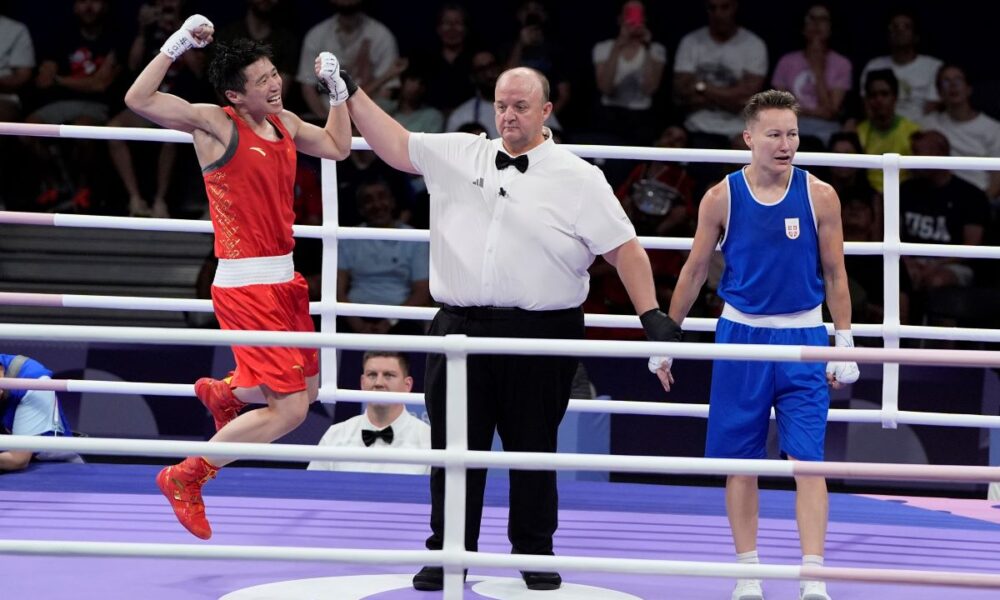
x: 506, y: 238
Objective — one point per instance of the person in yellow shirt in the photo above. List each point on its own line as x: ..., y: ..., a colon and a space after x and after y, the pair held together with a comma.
x: 884, y: 131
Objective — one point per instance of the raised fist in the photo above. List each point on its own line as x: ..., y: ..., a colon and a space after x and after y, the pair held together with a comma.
x: 195, y: 32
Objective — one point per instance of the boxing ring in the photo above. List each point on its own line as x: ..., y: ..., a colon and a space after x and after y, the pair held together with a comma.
x: 89, y: 531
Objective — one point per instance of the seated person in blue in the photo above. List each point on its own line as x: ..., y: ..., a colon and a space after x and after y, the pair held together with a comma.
x: 27, y: 412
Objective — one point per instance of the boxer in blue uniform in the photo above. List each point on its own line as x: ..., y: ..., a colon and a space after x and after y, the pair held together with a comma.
x: 780, y: 232
x: 27, y: 412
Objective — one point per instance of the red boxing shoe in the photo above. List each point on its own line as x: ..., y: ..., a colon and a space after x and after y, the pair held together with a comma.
x: 219, y: 399
x: 182, y: 484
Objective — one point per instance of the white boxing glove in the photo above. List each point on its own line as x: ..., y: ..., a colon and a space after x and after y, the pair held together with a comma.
x: 843, y: 372
x: 655, y: 361
x: 184, y: 38
x: 328, y: 72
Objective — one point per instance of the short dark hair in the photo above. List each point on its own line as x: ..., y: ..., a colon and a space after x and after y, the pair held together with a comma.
x: 850, y: 137
x: 885, y: 75
x: 769, y: 99
x: 938, y: 139
x: 230, y: 59
x: 370, y: 182
x: 404, y: 362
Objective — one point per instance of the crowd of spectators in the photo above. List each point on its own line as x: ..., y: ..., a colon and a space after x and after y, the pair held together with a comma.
x: 642, y: 77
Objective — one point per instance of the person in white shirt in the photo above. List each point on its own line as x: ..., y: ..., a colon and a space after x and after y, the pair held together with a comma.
x: 916, y: 72
x: 628, y: 70
x: 969, y: 131
x: 364, y: 45
x: 514, y: 223
x: 17, y: 60
x: 382, y: 425
x: 716, y: 70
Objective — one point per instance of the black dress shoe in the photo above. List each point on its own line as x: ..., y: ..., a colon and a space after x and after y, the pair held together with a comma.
x: 431, y: 579
x: 541, y: 580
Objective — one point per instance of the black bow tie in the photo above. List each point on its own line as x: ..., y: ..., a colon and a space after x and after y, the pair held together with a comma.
x: 520, y: 163
x: 368, y: 436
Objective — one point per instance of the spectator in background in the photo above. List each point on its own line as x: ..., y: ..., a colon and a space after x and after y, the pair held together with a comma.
x: 865, y: 272
x: 884, y: 130
x: 658, y: 198
x: 449, y: 66
x: 969, y: 132
x: 628, y: 70
x: 74, y: 79
x: 156, y: 22
x: 17, y: 59
x: 362, y: 166
x: 365, y: 47
x: 479, y: 108
x: 261, y: 24
x: 382, y: 271
x: 716, y: 70
x: 662, y: 189
x: 382, y: 425
x: 535, y: 48
x: 818, y: 77
x: 915, y: 72
x: 850, y: 182
x: 409, y: 108
x: 27, y: 412
x: 938, y: 208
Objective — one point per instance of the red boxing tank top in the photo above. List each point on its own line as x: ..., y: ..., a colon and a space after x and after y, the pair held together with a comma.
x: 251, y: 192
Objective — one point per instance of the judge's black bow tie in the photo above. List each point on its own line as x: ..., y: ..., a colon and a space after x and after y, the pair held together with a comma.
x: 520, y: 163
x: 368, y: 436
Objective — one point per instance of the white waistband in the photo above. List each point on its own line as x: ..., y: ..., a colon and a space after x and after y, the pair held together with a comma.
x: 238, y: 272
x: 804, y: 318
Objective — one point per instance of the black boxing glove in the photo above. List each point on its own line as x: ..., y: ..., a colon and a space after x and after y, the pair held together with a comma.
x: 659, y: 327
x: 349, y: 81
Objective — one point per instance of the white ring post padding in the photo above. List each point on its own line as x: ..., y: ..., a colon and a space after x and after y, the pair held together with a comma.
x: 890, y: 287
x: 329, y: 358
x: 456, y: 450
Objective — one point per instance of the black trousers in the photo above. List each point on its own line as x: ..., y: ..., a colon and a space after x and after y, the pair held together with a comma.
x: 523, y: 398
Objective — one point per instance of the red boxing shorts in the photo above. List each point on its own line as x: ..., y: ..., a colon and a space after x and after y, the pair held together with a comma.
x: 269, y: 307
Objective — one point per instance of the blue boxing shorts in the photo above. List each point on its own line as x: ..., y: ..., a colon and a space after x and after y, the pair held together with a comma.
x: 743, y: 393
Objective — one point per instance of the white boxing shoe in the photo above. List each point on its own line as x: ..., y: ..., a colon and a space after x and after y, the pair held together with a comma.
x: 813, y: 590
x: 748, y: 589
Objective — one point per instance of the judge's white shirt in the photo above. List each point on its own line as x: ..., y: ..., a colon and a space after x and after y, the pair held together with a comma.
x: 407, y: 432
x: 512, y: 239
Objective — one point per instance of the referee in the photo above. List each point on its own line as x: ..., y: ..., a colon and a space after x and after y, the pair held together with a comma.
x: 515, y: 223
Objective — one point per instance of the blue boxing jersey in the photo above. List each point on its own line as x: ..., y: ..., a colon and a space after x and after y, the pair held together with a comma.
x: 771, y: 250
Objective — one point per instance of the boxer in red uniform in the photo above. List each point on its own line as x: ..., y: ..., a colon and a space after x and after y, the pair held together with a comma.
x: 247, y: 155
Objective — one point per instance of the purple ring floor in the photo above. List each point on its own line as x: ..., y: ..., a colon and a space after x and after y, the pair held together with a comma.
x: 286, y: 507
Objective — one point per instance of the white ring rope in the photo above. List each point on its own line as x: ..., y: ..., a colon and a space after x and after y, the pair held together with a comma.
x: 456, y: 458
x: 488, y: 559
x: 460, y: 344
x: 623, y: 407
x: 531, y: 461
x: 422, y: 313
x: 423, y: 235
x: 864, y: 161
